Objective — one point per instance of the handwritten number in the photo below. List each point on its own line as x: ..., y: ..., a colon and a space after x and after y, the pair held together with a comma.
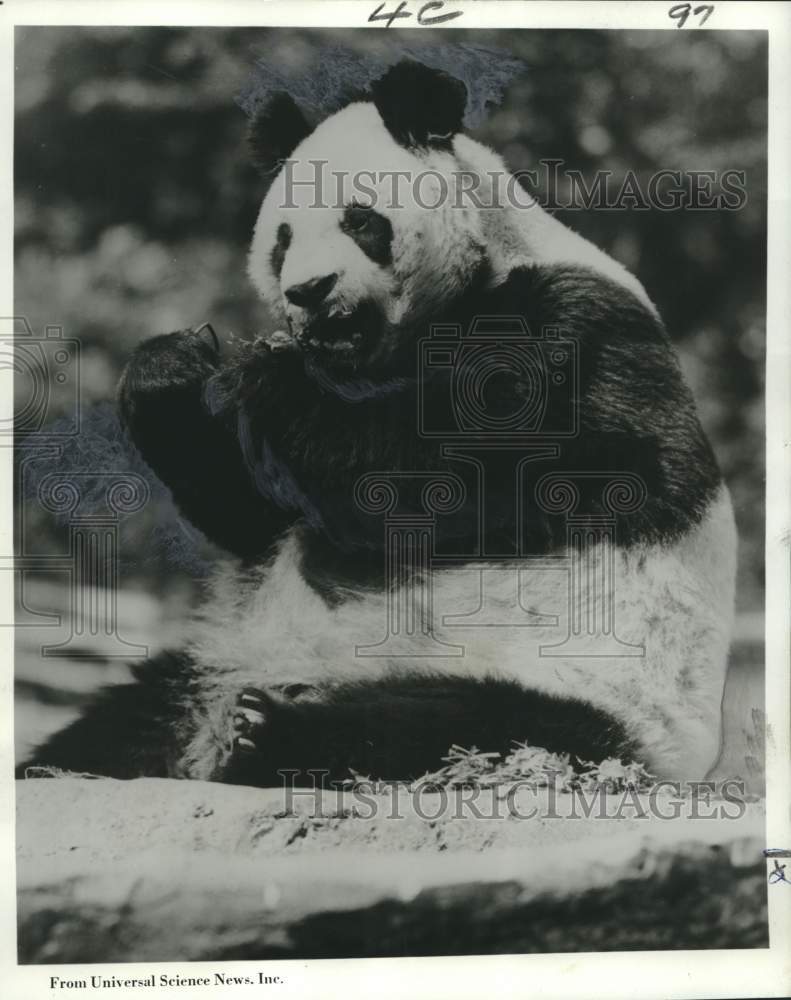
x: 681, y: 12
x: 398, y: 12
x: 423, y: 17
x: 709, y: 8
x: 438, y: 18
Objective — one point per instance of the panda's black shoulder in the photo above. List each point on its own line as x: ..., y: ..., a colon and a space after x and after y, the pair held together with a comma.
x: 587, y: 301
x: 636, y: 411
x: 620, y: 339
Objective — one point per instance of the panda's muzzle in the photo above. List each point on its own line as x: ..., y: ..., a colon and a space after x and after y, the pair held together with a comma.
x: 339, y: 334
x: 311, y: 294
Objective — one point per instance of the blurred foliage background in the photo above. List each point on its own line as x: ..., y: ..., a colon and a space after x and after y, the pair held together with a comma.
x: 135, y: 201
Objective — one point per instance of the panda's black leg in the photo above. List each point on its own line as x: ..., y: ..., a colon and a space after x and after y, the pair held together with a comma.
x: 399, y: 727
x: 127, y: 730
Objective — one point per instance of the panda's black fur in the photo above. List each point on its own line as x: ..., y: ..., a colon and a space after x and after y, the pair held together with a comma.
x: 265, y: 443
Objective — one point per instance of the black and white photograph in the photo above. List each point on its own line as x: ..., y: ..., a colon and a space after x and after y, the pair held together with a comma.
x: 388, y: 507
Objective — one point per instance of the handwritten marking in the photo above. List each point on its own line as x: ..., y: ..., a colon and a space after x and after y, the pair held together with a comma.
x: 778, y: 874
x: 681, y: 12
x: 423, y: 17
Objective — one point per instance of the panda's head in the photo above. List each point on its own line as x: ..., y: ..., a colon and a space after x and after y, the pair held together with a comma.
x: 362, y: 238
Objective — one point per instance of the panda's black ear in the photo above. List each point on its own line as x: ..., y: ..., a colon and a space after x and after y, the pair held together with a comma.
x: 419, y: 105
x: 275, y: 131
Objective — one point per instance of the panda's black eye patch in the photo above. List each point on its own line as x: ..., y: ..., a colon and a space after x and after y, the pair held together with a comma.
x: 356, y: 218
x: 280, y: 247
x: 371, y: 231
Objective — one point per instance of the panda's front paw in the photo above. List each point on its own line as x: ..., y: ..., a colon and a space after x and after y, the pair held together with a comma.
x: 197, y: 350
x: 178, y: 360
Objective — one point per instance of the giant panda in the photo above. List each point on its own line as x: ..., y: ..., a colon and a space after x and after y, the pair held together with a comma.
x: 280, y: 449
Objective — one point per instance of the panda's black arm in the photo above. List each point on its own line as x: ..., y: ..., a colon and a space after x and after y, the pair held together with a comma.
x: 129, y: 730
x: 195, y: 454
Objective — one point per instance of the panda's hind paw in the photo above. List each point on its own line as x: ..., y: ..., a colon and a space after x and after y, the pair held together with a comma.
x: 251, y: 714
x: 272, y: 728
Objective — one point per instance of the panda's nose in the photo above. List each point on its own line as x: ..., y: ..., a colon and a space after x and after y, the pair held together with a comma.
x: 310, y: 294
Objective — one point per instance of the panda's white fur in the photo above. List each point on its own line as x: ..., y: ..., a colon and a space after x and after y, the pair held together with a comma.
x: 675, y: 599
x: 355, y: 140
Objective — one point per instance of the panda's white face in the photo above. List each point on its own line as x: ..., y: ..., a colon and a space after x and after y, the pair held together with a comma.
x: 346, y: 255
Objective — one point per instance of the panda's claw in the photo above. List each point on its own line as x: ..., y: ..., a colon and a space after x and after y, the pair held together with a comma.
x: 245, y: 721
x: 253, y: 699
x: 245, y: 746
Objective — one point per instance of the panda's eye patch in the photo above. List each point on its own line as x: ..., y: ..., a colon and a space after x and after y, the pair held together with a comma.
x: 280, y: 247
x: 371, y: 231
x: 356, y: 217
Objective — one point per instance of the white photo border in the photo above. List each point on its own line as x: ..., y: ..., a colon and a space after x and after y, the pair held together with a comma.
x: 656, y: 974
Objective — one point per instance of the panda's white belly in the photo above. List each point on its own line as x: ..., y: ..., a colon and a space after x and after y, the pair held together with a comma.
x: 647, y: 641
